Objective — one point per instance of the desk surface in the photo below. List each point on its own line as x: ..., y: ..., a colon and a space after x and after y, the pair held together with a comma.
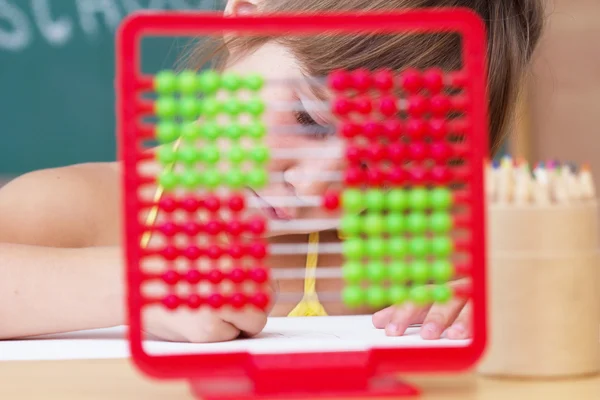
x: 118, y: 380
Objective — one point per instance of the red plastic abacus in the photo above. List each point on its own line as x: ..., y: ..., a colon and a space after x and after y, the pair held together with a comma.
x: 400, y: 138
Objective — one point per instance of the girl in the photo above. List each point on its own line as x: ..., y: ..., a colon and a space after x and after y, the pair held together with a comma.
x: 61, y: 267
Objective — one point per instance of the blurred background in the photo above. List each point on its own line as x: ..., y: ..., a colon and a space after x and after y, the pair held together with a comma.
x: 57, y: 82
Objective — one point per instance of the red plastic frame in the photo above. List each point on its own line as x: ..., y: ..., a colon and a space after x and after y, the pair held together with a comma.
x: 343, y: 372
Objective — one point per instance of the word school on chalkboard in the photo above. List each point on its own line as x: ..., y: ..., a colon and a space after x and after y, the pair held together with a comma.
x: 22, y: 22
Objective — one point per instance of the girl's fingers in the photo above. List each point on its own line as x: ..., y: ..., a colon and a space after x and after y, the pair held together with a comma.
x: 462, y: 326
x: 440, y: 317
x: 382, y: 318
x: 404, y: 316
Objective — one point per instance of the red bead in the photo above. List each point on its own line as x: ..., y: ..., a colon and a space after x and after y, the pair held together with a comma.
x: 213, y: 227
x: 459, y: 79
x: 418, y: 175
x: 434, y: 80
x: 238, y: 300
x: 363, y: 105
x: 339, y: 80
x: 260, y: 300
x: 375, y: 177
x: 167, y: 204
x: 190, y: 204
x: 350, y: 130
x: 192, y: 253
x: 440, y: 152
x: 388, y: 106
x: 212, y: 203
x: 417, y: 106
x: 416, y: 128
x: 191, y: 228
x: 441, y: 175
x: 372, y: 130
x: 234, y: 228
x: 236, y: 251
x: 397, y: 176
x: 258, y: 251
x: 354, y: 154
x: 214, y: 276
x: 214, y: 252
x: 215, y: 300
x: 342, y: 106
x: 440, y: 105
x: 171, y: 302
x: 170, y: 277
x: 257, y: 226
x: 168, y: 229
x: 331, y: 201
x: 397, y: 153
x: 259, y: 275
x: 361, y: 80
x: 237, y: 275
x: 392, y: 129
x: 236, y: 203
x: 460, y: 103
x: 417, y: 151
x: 411, y: 80
x: 438, y: 128
x: 354, y: 176
x: 170, y: 253
x: 376, y: 152
x: 194, y: 301
x: 384, y: 80
x: 193, y: 276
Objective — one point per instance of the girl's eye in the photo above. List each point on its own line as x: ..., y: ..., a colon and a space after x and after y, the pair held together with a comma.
x: 308, y: 123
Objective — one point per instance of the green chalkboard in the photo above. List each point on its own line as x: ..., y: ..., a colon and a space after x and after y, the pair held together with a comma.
x: 57, y: 77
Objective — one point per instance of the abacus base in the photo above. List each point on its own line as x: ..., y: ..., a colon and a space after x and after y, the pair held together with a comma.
x: 389, y: 387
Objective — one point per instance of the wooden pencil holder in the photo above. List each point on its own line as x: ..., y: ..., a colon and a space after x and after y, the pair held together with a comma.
x: 544, y: 291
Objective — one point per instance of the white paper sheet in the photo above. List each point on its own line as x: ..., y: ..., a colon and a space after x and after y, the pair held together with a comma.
x: 311, y: 334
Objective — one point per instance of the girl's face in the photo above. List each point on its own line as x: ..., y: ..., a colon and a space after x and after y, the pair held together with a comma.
x: 306, y: 155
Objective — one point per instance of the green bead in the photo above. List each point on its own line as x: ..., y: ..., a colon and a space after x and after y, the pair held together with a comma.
x: 420, y: 295
x: 211, y: 107
x: 398, y: 272
x: 209, y: 82
x: 255, y: 107
x: 416, y: 223
x: 234, y: 131
x: 376, y: 248
x: 256, y: 130
x: 254, y: 82
x: 257, y: 178
x: 232, y: 107
x: 166, y: 155
x: 165, y: 82
x: 235, y: 178
x: 397, y: 248
x: 441, y: 199
x: 260, y: 154
x: 376, y: 271
x: 188, y: 155
x: 191, y: 179
x: 376, y: 297
x: 211, y: 178
x: 396, y: 200
x: 351, y: 225
x: 418, y: 199
x: 165, y: 107
x: 442, y: 246
x: 191, y: 132
x: 373, y: 224
x: 394, y: 223
x: 440, y: 222
x: 375, y: 200
x: 167, y: 132
x: 419, y: 247
x: 442, y: 271
x: 420, y: 272
x: 210, y: 154
x: 231, y: 81
x: 353, y: 272
x: 397, y: 295
x: 210, y: 131
x: 187, y: 82
x: 236, y: 155
x: 352, y: 201
x: 189, y: 108
x: 441, y: 294
x: 353, y: 296
x: 353, y: 249
x: 168, y: 180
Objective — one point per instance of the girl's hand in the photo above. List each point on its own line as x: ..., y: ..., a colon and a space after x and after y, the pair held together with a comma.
x: 453, y: 317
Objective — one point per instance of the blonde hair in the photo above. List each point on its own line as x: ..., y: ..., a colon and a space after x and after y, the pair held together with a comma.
x: 514, y: 28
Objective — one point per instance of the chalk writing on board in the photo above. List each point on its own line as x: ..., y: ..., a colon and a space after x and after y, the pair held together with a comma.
x: 21, y: 21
